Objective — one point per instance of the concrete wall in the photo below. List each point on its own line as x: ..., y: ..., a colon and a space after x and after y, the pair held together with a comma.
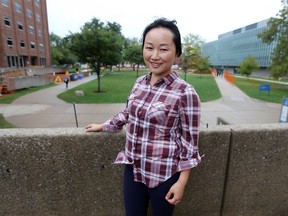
x: 28, y: 82
x: 69, y: 172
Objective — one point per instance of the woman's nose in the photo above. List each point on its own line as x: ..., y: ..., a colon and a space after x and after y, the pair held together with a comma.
x: 155, y: 54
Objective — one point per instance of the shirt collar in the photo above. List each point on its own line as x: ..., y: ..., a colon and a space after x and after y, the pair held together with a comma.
x: 167, y: 79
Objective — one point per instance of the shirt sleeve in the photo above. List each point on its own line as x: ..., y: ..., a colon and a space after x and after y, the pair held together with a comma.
x: 190, y: 113
x: 117, y: 122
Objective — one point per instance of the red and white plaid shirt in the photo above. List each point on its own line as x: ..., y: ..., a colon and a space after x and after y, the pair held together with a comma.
x: 162, y: 128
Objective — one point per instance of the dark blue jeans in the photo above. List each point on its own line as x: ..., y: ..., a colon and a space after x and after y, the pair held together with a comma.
x: 137, y: 196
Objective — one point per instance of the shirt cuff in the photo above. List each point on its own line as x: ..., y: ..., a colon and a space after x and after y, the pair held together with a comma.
x: 188, y: 164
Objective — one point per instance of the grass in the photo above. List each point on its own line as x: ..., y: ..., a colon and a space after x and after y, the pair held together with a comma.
x: 4, y: 123
x: 116, y: 86
x: 9, y: 98
x: 251, y: 88
x: 205, y: 86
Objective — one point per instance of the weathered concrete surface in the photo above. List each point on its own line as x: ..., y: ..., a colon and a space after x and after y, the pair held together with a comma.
x: 67, y: 171
x: 203, y: 195
x: 258, y: 171
x: 59, y: 172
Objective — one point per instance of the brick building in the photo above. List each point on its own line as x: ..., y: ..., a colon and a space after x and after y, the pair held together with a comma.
x: 24, y: 34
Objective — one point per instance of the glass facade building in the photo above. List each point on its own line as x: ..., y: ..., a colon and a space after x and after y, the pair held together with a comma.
x: 233, y: 47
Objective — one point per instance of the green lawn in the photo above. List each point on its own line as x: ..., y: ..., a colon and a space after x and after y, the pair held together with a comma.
x: 116, y: 86
x: 4, y: 123
x: 205, y: 86
x: 251, y: 88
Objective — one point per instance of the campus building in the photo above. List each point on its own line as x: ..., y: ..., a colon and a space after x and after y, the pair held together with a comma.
x: 233, y: 47
x: 24, y: 34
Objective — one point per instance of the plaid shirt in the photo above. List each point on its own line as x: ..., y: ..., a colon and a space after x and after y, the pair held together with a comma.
x: 162, y: 129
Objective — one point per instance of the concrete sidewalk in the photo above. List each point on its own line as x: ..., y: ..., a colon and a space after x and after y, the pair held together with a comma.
x: 235, y: 107
x: 42, y: 109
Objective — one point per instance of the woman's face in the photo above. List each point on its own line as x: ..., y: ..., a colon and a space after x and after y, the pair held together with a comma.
x: 159, y: 51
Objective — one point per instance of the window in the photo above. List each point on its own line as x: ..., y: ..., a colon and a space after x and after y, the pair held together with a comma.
x: 29, y: 13
x: 39, y: 32
x: 22, y: 43
x: 31, y: 29
x: 18, y: 7
x: 32, y: 45
x: 20, y: 25
x: 38, y: 17
x: 37, y: 3
x: 6, y: 21
x: 9, y: 42
x: 41, y: 47
x: 5, y: 2
x: 237, y: 31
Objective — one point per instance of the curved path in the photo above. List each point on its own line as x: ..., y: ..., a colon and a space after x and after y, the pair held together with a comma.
x: 42, y: 109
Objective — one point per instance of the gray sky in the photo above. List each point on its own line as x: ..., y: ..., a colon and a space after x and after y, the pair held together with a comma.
x: 207, y: 18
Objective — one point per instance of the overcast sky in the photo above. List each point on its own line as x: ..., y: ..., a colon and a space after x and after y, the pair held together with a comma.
x: 207, y: 18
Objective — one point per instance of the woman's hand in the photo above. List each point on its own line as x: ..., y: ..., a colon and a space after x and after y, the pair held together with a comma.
x: 176, y: 192
x: 94, y: 128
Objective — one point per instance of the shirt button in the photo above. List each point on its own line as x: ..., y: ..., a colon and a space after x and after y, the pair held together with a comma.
x: 135, y: 134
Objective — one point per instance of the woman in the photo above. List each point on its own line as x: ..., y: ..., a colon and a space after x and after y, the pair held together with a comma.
x: 162, y: 118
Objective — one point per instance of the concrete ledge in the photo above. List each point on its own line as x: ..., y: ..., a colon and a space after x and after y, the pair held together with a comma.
x: 67, y: 171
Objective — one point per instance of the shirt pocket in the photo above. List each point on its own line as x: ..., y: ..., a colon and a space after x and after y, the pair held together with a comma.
x: 158, y: 113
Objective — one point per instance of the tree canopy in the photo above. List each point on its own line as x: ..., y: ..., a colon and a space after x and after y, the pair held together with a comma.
x: 192, y: 57
x: 98, y: 44
x: 248, y: 66
x: 277, y: 31
x: 133, y: 53
x: 60, y: 52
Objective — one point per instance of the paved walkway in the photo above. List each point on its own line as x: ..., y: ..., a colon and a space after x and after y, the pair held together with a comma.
x: 42, y: 109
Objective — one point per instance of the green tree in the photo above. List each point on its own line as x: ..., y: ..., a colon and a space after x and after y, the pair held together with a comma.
x: 248, y: 66
x: 98, y: 45
x: 133, y: 53
x: 60, y: 51
x: 192, y: 57
x: 277, y: 31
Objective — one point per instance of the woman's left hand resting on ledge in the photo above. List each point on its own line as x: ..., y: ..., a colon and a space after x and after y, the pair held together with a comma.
x: 94, y: 128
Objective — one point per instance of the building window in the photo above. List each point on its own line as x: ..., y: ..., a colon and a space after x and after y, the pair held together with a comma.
x: 237, y: 31
x: 252, y: 26
x: 41, y: 47
x: 31, y: 29
x: 38, y: 17
x: 37, y: 3
x: 22, y: 43
x: 5, y: 2
x: 9, y: 42
x: 20, y: 25
x: 6, y: 21
x: 42, y: 61
x: 39, y: 32
x: 18, y: 7
x: 29, y: 13
x: 32, y: 45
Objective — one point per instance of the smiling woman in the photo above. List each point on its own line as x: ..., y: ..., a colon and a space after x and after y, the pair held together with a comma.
x: 162, y: 120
